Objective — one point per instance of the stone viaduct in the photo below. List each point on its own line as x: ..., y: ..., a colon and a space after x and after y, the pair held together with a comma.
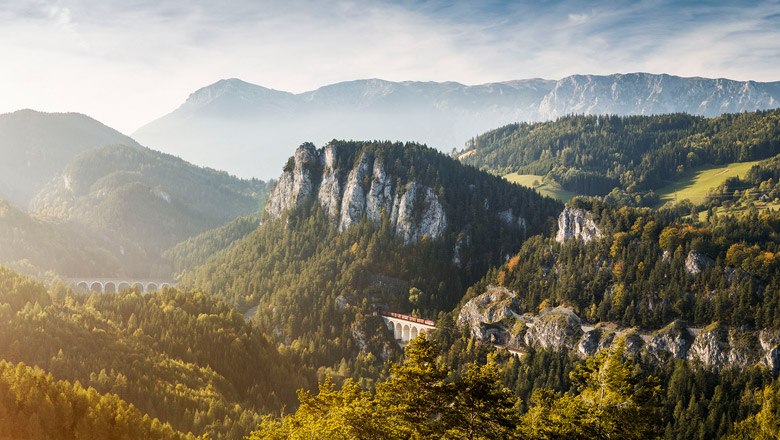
x: 405, y: 327
x: 115, y: 285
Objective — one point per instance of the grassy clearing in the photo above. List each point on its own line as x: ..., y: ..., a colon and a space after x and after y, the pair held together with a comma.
x: 739, y: 210
x: 696, y: 183
x: 534, y: 181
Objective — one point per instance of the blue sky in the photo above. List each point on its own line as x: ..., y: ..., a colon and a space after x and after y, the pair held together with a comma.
x: 126, y: 62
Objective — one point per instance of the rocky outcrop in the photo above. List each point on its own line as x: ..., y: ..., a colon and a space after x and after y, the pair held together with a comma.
x: 364, y: 191
x: 575, y: 223
x: 769, y: 341
x: 494, y: 317
x: 296, y: 184
x: 673, y: 340
x: 554, y: 329
x: 491, y: 315
x: 594, y: 340
x: 697, y: 262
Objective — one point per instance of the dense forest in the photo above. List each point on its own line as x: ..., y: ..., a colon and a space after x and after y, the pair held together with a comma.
x: 610, y: 395
x: 194, y: 251
x: 185, y: 359
x: 593, y: 155
x: 637, y: 275
x: 35, y: 406
x: 316, y: 289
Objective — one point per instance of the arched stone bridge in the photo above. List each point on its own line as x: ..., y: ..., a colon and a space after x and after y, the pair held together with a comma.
x: 115, y: 285
x: 405, y: 327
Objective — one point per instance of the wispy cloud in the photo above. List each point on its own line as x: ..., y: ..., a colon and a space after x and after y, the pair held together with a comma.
x: 126, y: 62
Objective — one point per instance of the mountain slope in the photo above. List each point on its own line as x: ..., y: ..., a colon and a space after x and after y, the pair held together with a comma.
x: 636, y: 154
x: 353, y: 226
x: 243, y: 120
x: 186, y: 359
x: 35, y: 406
x: 36, y: 146
x: 149, y: 198
x: 39, y: 247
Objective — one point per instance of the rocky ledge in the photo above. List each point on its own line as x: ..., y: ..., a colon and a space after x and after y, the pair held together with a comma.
x: 494, y: 317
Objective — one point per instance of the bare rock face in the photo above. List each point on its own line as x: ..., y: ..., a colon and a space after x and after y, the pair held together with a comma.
x: 675, y: 340
x: 330, y: 188
x: 295, y: 184
x: 555, y: 328
x: 491, y: 315
x: 770, y: 344
x: 696, y: 262
x: 710, y: 347
x: 595, y: 340
x: 353, y: 205
x: 432, y: 222
x: 380, y: 196
x: 366, y: 190
x: 510, y: 219
x: 575, y: 223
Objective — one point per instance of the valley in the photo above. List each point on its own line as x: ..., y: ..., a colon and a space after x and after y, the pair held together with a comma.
x: 370, y: 277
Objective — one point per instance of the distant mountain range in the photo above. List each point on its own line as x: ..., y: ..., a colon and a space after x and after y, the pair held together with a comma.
x: 251, y: 130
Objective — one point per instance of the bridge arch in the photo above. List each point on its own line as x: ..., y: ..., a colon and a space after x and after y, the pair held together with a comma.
x: 404, y: 327
x: 109, y: 287
x: 123, y: 287
x: 97, y: 286
x: 151, y: 287
x: 83, y: 286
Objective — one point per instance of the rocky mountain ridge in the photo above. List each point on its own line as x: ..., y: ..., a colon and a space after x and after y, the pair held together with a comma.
x: 420, y: 192
x: 493, y: 317
x: 245, y: 120
x: 367, y: 191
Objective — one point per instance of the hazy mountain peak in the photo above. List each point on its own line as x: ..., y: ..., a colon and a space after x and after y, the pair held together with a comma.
x: 233, y: 97
x: 252, y: 124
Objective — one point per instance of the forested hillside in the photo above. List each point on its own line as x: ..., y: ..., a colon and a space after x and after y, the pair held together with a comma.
x: 692, y: 302
x: 196, y: 250
x: 150, y: 198
x: 46, y: 249
x: 186, y: 359
x: 654, y: 266
x: 635, y: 154
x: 341, y: 246
x: 35, y: 146
x: 35, y: 406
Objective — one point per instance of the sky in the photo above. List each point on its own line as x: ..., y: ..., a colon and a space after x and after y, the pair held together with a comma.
x: 127, y: 62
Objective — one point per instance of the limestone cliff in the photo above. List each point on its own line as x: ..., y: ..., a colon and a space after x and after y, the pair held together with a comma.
x: 365, y: 190
x: 575, y: 223
x: 352, y: 181
x: 494, y: 317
